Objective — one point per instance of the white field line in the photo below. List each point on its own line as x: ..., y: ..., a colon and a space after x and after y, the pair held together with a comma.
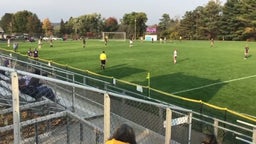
x: 213, y: 84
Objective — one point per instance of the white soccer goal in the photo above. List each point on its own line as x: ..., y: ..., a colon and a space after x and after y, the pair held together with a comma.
x: 114, y: 35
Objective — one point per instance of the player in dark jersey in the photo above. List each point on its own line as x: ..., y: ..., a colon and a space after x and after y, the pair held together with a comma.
x: 84, y: 42
x: 29, y: 52
x: 35, y: 53
x: 246, y: 52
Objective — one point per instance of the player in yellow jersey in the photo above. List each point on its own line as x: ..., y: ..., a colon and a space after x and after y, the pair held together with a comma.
x: 103, y: 59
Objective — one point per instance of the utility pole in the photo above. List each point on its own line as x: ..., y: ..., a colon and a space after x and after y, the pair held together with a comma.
x: 135, y: 29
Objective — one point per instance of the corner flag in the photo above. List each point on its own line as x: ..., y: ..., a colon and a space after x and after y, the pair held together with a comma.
x: 148, y: 75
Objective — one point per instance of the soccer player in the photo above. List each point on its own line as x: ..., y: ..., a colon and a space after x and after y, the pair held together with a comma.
x: 131, y: 42
x: 39, y: 43
x: 106, y: 40
x: 35, y: 53
x: 8, y: 42
x: 15, y: 46
x: 84, y: 42
x: 175, y: 54
x: 29, y: 52
x: 51, y: 43
x: 103, y: 59
x: 246, y: 52
x: 212, y: 42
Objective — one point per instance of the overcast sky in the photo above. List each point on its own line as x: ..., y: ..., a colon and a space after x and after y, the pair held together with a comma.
x: 56, y: 10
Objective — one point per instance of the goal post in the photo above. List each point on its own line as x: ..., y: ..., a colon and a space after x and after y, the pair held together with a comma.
x: 114, y: 35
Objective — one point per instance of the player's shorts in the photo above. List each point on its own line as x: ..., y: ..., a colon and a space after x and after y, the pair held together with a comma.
x: 103, y: 61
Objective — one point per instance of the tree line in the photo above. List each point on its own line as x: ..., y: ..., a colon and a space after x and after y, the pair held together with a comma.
x: 235, y: 20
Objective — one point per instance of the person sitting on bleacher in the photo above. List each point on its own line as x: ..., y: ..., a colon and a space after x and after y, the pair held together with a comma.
x: 6, y: 63
x: 31, y: 86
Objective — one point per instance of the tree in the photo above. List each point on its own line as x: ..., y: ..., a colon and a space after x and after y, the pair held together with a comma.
x: 24, y: 22
x: 21, y: 22
x: 62, y: 28
x: 231, y: 26
x: 135, y: 21
x: 34, y: 25
x: 167, y: 25
x: 188, y: 28
x: 203, y: 22
x: 110, y: 24
x: 6, y: 22
x: 89, y: 25
x: 248, y: 17
x: 210, y: 17
x: 47, y: 27
x: 164, y: 22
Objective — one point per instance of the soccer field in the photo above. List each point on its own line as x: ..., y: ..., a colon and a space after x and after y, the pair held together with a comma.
x: 217, y: 75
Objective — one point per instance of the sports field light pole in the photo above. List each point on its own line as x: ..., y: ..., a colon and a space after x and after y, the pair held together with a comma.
x: 135, y: 28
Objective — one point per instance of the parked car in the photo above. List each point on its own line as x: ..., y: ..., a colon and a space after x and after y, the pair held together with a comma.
x: 46, y: 38
x: 31, y: 39
x: 56, y: 38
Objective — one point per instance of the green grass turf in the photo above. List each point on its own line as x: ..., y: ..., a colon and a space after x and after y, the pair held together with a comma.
x: 223, y: 67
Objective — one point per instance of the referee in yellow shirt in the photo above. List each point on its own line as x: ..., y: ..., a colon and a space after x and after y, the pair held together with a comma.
x: 103, y: 59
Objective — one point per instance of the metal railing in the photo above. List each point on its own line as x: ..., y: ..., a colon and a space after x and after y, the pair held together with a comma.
x: 79, y: 115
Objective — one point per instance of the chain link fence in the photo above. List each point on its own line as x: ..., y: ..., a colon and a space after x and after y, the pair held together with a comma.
x: 78, y: 114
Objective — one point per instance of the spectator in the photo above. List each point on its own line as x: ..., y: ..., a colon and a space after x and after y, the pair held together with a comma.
x: 33, y: 87
x: 123, y: 135
x: 210, y: 139
x: 7, y: 63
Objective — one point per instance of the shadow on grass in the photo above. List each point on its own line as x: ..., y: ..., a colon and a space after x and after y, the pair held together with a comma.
x: 178, y: 83
x: 182, y: 60
x: 187, y: 86
x: 120, y: 71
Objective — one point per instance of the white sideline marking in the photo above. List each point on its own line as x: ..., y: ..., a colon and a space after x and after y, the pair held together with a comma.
x: 242, y: 78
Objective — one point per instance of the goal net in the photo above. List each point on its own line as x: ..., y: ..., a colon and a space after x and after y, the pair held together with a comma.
x: 114, y: 35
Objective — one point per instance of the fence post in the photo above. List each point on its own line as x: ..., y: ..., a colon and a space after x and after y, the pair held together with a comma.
x: 168, y: 126
x: 68, y: 129
x: 36, y: 133
x: 254, y: 135
x: 84, y: 80
x: 16, y: 109
x: 81, y: 132
x: 190, y: 127
x: 216, y: 123
x: 106, y: 116
x: 73, y: 98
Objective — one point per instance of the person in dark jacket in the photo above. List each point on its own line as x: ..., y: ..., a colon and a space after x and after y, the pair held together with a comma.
x: 32, y: 86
